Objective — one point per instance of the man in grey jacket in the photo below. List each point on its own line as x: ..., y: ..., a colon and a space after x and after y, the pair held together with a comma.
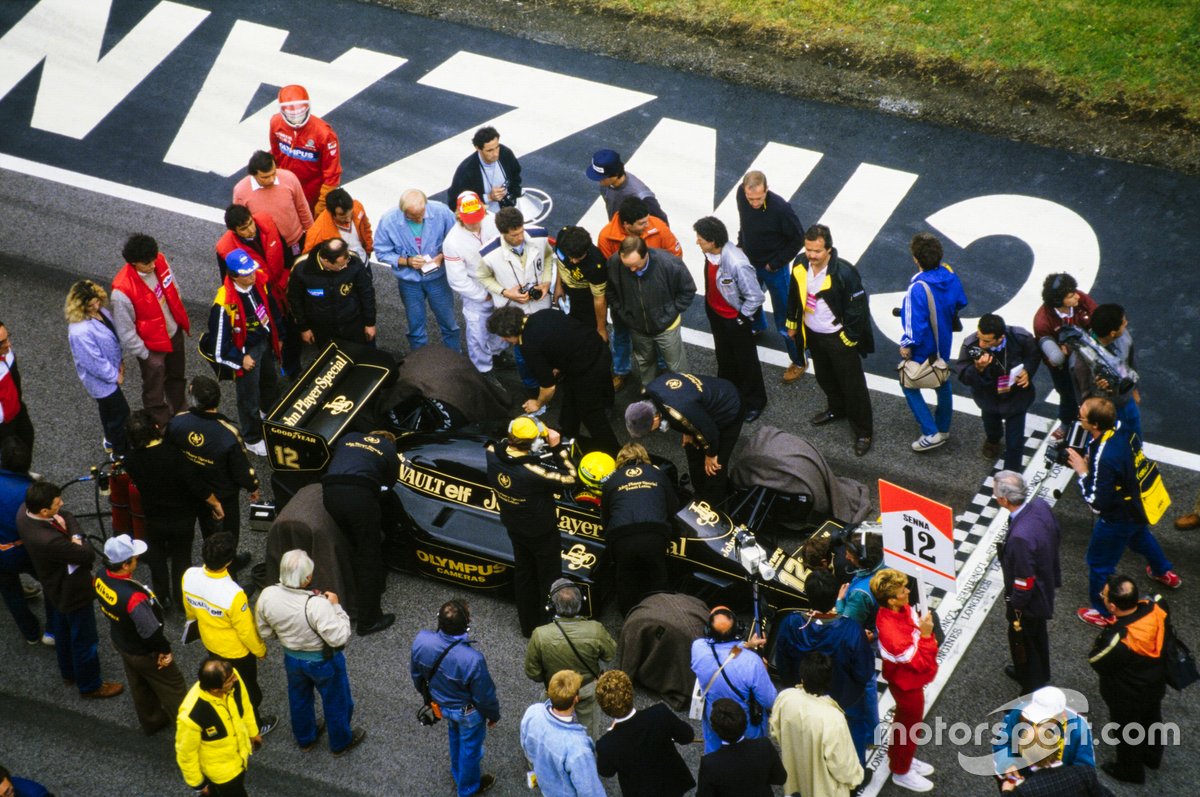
x: 732, y: 297
x: 650, y: 289
x: 313, y: 628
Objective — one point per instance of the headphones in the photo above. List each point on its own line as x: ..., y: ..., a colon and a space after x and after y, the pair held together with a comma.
x: 462, y: 610
x: 557, y: 587
x: 738, y: 630
x: 859, y: 549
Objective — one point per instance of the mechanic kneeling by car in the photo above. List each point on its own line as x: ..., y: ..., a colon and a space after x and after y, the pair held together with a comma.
x: 357, y: 492
x: 526, y: 470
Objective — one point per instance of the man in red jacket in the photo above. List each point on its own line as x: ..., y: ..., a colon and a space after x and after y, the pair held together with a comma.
x: 306, y: 146
x: 151, y: 321
x: 909, y: 654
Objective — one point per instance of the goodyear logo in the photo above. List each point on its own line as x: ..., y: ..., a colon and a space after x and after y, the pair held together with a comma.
x: 195, y: 439
x: 459, y: 570
x: 674, y: 384
x: 106, y: 593
x: 339, y: 405
x: 578, y: 557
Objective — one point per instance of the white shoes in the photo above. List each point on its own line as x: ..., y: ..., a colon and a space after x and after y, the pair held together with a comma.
x: 259, y: 448
x: 922, y: 768
x: 929, y: 442
x: 912, y: 781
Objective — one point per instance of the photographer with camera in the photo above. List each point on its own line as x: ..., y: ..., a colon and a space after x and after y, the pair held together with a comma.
x: 453, y: 677
x: 313, y: 628
x: 1108, y: 482
x: 1112, y: 377
x: 1063, y: 305
x: 997, y: 362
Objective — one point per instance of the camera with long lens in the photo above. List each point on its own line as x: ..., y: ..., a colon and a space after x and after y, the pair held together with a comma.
x: 533, y: 292
x: 1103, y: 363
x: 1076, y: 438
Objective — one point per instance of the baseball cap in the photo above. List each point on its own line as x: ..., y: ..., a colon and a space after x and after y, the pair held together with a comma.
x: 602, y: 165
x: 470, y: 207
x: 122, y: 548
x: 639, y: 418
x: 525, y: 428
x: 1047, y: 702
x: 239, y: 263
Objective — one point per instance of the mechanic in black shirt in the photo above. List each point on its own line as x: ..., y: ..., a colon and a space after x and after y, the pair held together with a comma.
x: 559, y: 348
x: 636, y: 507
x: 211, y: 442
x: 173, y: 495
x: 357, y: 490
x: 707, y: 410
x: 583, y: 278
x: 526, y: 471
x: 332, y: 295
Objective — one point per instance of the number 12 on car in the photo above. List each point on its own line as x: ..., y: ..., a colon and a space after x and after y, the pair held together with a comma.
x: 918, y: 535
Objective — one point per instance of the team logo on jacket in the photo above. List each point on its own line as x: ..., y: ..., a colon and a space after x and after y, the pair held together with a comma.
x: 339, y: 405
x: 195, y: 439
x: 633, y: 472
x: 505, y: 480
x: 369, y: 439
x: 674, y: 384
x: 345, y: 289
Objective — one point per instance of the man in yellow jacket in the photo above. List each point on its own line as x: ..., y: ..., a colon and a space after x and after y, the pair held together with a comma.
x: 222, y: 614
x: 216, y: 731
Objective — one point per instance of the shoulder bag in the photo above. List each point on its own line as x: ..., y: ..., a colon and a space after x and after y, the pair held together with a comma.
x: 431, y: 713
x: 933, y: 372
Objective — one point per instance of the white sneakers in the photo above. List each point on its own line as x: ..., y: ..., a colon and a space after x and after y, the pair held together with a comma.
x: 914, y: 779
x: 929, y: 442
x: 259, y: 448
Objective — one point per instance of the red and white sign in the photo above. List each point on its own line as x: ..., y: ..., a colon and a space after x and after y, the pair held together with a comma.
x: 918, y: 535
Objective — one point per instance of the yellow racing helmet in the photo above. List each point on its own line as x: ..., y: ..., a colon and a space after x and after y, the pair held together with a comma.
x: 595, y: 468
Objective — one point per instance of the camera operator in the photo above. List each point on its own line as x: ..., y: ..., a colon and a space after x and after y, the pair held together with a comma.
x: 1063, y: 305
x: 997, y: 362
x: 1110, y: 331
x: 526, y: 477
x: 1109, y: 485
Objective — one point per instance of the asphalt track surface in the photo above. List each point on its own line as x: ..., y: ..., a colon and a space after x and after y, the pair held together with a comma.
x: 55, y: 234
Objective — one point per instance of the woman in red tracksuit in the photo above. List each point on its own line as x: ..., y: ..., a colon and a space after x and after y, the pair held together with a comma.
x: 909, y: 654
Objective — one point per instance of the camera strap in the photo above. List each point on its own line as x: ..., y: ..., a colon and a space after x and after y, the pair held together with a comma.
x: 937, y: 346
x: 308, y: 620
x: 575, y: 650
x: 428, y: 679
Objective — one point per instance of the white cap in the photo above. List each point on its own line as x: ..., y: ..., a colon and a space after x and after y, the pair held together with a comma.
x: 1047, y: 702
x: 122, y: 548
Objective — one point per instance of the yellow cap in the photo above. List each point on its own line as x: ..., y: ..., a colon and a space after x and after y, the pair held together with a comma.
x: 525, y: 428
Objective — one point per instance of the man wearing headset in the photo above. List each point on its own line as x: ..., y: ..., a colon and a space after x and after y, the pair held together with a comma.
x: 725, y: 666
x: 445, y: 663
x: 571, y: 642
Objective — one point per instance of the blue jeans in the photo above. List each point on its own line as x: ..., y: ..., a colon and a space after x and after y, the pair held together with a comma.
x: 1110, y: 538
x: 775, y: 283
x: 527, y: 377
x: 622, y: 347
x: 75, y: 644
x: 1012, y: 429
x: 436, y: 289
x: 13, y: 594
x: 467, y: 730
x: 920, y: 410
x: 329, y: 678
x: 862, y: 717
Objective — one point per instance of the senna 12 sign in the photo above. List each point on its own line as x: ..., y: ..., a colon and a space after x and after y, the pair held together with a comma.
x: 918, y: 535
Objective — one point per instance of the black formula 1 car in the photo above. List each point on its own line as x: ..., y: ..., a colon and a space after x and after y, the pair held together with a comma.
x: 449, y: 519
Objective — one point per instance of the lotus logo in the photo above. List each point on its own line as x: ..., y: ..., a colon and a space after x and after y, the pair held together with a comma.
x: 339, y: 405
x: 674, y: 384
x: 633, y: 472
x: 505, y: 480
x: 578, y: 557
x: 195, y: 439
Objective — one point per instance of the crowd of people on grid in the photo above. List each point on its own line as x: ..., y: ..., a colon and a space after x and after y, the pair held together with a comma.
x: 582, y: 315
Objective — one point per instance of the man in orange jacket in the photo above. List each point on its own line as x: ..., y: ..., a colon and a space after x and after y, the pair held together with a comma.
x: 343, y: 218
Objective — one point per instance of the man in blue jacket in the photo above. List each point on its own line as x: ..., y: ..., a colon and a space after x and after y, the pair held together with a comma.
x: 845, y: 642
x: 463, y: 690
x: 1108, y: 483
x: 409, y: 239
x: 725, y: 666
x: 934, y: 292
x: 1048, y: 704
